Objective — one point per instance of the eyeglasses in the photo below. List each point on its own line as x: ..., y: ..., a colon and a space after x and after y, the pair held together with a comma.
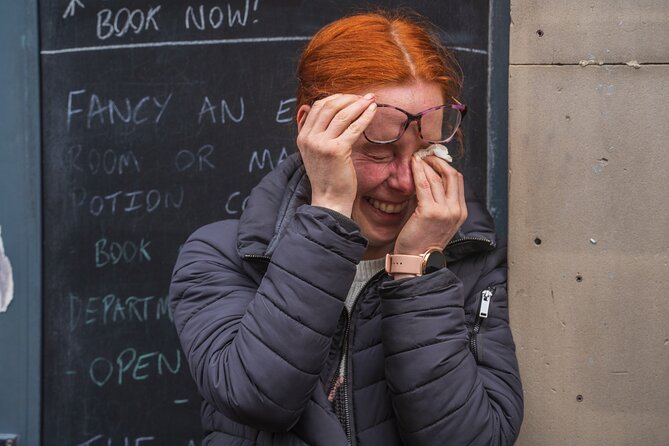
x: 435, y: 125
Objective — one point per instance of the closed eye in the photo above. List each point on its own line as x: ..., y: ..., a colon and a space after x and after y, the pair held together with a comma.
x: 380, y: 157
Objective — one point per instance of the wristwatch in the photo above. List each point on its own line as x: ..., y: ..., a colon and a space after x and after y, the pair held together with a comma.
x: 431, y: 260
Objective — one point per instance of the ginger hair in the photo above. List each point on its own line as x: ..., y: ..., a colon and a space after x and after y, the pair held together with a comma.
x: 379, y: 48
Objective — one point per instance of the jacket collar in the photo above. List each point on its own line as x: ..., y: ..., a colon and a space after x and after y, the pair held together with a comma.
x: 274, y: 201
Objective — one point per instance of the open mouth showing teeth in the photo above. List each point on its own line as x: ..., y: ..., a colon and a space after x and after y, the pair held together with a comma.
x: 388, y: 208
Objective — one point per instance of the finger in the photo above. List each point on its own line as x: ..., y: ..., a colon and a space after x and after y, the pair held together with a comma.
x: 349, y: 116
x: 312, y: 116
x: 448, y: 175
x: 353, y: 130
x: 439, y: 165
x: 463, y: 202
x: 437, y: 186
x: 454, y: 188
x: 421, y: 182
x: 327, y: 111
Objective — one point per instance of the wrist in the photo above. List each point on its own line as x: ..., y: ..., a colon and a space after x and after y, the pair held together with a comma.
x: 346, y: 222
x: 415, y: 265
x: 345, y: 209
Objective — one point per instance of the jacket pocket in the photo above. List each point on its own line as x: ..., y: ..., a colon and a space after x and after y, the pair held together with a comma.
x: 482, y: 312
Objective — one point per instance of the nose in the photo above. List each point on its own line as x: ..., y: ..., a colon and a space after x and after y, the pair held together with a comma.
x: 401, y: 178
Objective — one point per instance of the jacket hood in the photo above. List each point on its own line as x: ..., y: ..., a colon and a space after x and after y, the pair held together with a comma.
x: 274, y: 201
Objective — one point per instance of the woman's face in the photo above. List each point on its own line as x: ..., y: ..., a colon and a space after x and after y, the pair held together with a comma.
x: 386, y: 198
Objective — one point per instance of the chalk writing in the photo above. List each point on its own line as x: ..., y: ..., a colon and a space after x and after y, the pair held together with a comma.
x: 103, y: 440
x: 119, y: 23
x: 210, y: 110
x: 111, y: 252
x: 202, y: 18
x: 176, y: 43
x: 101, y: 111
x: 286, y: 111
x: 128, y: 202
x: 235, y: 203
x: 112, y: 309
x: 94, y: 161
x: 130, y: 366
x: 264, y: 161
x: 194, y: 159
x: 71, y: 8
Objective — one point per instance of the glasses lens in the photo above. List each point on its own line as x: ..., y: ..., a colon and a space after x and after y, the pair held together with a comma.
x: 440, y: 125
x: 386, y: 125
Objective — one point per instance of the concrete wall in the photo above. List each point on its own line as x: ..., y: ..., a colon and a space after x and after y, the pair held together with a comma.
x: 589, y: 219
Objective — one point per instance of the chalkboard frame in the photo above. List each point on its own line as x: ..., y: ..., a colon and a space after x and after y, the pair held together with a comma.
x: 24, y: 21
x: 497, y: 195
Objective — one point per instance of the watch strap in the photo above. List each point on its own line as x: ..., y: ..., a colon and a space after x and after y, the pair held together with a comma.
x: 404, y: 264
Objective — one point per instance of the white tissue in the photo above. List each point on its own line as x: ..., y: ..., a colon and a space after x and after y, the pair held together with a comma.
x: 438, y: 150
x: 6, y: 279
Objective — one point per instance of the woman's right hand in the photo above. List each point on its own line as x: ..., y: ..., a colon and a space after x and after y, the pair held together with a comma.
x: 325, y: 140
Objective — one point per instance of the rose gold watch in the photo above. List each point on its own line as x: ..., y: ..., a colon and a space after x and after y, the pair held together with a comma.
x: 431, y: 260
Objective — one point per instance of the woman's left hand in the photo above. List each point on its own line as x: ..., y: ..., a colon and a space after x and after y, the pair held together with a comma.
x: 440, y: 208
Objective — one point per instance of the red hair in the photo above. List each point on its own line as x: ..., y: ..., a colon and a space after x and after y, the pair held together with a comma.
x: 357, y: 52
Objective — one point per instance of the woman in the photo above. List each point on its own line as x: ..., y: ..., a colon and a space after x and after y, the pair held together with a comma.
x: 296, y: 329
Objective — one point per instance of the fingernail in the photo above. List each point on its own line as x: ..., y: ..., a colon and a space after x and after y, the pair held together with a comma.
x: 369, y: 96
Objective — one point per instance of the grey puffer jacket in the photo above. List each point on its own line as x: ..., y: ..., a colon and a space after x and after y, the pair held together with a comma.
x: 259, y: 309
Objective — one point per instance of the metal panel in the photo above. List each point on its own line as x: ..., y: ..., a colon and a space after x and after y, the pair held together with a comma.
x: 20, y: 325
x: 498, y: 88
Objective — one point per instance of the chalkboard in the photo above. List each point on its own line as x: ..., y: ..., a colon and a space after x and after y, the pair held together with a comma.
x: 159, y: 117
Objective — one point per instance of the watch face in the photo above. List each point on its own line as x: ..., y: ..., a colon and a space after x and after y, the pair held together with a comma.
x: 434, y: 261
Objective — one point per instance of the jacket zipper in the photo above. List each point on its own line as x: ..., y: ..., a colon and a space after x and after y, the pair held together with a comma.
x: 468, y: 239
x: 482, y: 313
x: 345, y: 357
x: 253, y: 257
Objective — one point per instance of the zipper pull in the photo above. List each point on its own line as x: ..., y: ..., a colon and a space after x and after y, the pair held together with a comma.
x: 486, y: 296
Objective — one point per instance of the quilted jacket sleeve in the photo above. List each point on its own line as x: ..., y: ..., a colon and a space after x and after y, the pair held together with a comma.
x: 440, y: 393
x: 255, y: 352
